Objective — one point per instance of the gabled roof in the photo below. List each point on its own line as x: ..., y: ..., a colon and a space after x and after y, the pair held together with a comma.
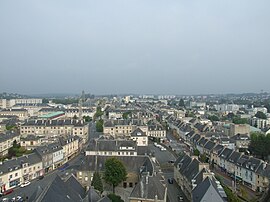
x: 206, y: 191
x: 209, y: 145
x: 138, y: 133
x: 218, y: 149
x: 149, y: 187
x: 233, y: 158
x: 225, y: 153
x: 61, y: 191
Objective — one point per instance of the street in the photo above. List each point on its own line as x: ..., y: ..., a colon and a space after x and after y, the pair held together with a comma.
x: 163, y: 157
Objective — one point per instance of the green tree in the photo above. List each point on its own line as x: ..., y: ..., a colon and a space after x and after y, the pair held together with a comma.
x: 182, y: 103
x: 99, y: 125
x: 115, y: 172
x: 238, y: 120
x: 196, y: 152
x: 97, y: 182
x: 98, y: 113
x: 126, y: 115
x: 260, y: 115
x: 213, y: 118
x: 259, y: 145
x: 75, y: 117
x: 115, y: 198
x: 87, y: 118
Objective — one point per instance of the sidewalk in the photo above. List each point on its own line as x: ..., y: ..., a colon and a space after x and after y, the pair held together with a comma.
x: 249, y: 195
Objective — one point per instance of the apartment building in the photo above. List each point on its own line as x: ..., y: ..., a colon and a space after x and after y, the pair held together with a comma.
x: 71, y: 146
x: 8, y: 103
x: 55, y: 127
x: 15, y: 171
x: 156, y: 131
x: 139, y: 137
x: 123, y: 127
x: 22, y: 114
x: 6, y: 141
x: 111, y: 147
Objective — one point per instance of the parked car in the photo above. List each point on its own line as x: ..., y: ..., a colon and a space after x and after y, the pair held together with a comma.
x: 26, y: 183
x: 40, y: 177
x: 17, y: 199
x: 7, y: 192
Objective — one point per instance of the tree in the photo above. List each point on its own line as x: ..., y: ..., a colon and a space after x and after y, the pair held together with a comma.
x: 115, y: 198
x: 196, y: 152
x: 98, y: 113
x: 259, y: 145
x: 260, y: 115
x: 213, y: 118
x: 75, y: 117
x: 238, y: 120
x: 126, y: 115
x: 115, y: 172
x: 87, y: 118
x: 99, y: 125
x: 182, y: 103
x: 97, y: 182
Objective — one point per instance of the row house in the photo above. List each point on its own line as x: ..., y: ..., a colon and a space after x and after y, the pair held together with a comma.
x: 189, y: 172
x: 6, y: 141
x: 71, y: 146
x: 22, y: 114
x: 157, y: 131
x: 123, y: 127
x: 52, y: 156
x: 15, y: 171
x: 70, y: 113
x: 111, y: 147
x: 139, y: 137
x: 55, y: 127
x: 31, y: 142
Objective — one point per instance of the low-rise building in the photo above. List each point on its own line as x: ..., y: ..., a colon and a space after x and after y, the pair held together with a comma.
x: 111, y: 147
x: 71, y: 146
x: 56, y: 127
x: 139, y: 137
x: 6, y: 141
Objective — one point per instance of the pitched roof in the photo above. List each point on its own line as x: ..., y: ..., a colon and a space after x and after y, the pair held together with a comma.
x: 61, y: 191
x: 206, y: 191
x: 149, y: 187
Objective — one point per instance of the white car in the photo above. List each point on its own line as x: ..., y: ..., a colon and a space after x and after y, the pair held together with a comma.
x: 26, y: 183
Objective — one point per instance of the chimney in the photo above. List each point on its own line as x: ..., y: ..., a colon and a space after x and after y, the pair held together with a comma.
x: 146, y: 180
x: 264, y: 165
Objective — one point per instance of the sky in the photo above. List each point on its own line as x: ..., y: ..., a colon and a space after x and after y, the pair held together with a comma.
x: 135, y: 46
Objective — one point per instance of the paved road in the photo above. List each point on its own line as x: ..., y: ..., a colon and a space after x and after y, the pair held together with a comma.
x: 29, y: 190
x: 163, y: 157
x: 48, y: 178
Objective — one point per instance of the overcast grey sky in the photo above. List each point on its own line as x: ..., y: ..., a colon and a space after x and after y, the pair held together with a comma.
x: 134, y: 46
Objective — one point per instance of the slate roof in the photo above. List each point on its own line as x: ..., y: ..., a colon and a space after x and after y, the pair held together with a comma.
x: 111, y: 145
x: 233, y: 158
x: 218, y: 149
x: 252, y: 164
x: 242, y: 160
x: 16, y: 163
x: 132, y: 163
x: 59, y: 122
x: 62, y: 191
x: 7, y: 136
x: 264, y: 170
x: 149, y: 187
x: 206, y: 191
x: 209, y: 145
x: 138, y: 133
x: 225, y: 153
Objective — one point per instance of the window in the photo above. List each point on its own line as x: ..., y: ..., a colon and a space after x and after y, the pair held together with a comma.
x: 10, y: 176
x: 16, y: 174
